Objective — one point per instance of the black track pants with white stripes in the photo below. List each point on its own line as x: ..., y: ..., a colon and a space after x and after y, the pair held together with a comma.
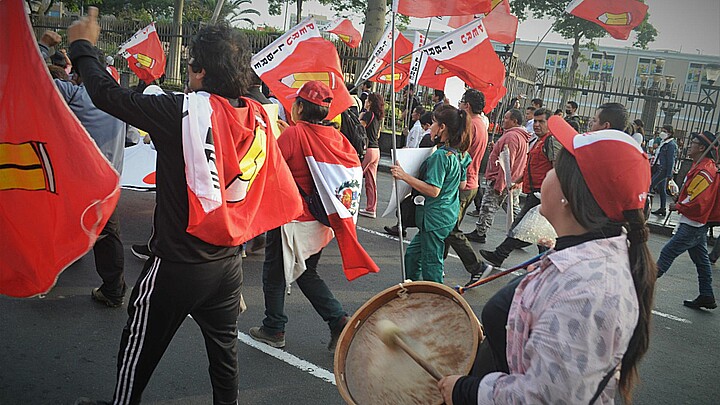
x: 165, y: 293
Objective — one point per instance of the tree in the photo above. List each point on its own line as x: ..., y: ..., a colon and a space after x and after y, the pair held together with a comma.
x: 232, y: 11
x: 575, y: 28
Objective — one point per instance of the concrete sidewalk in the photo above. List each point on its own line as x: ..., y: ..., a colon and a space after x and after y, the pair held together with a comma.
x: 656, y: 223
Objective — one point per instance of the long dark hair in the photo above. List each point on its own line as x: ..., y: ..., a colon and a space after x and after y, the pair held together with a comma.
x: 377, y: 105
x: 639, y: 126
x: 644, y: 272
x: 459, y: 126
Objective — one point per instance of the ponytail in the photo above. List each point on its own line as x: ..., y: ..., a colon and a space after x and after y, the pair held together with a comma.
x: 458, y: 125
x: 644, y: 274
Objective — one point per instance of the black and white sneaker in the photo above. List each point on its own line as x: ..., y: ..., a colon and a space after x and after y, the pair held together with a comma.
x: 141, y: 251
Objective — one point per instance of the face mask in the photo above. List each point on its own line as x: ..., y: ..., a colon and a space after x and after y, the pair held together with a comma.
x: 664, y: 135
x: 568, y: 112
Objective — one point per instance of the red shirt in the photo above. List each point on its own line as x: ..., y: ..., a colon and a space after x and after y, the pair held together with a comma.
x: 477, y: 151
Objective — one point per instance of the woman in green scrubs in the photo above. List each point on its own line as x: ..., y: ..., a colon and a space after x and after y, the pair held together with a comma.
x: 441, y: 176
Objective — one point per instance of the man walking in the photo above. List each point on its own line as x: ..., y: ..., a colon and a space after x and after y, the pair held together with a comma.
x: 541, y: 159
x: 192, y: 273
x: 516, y: 139
x: 473, y: 102
x: 695, y: 204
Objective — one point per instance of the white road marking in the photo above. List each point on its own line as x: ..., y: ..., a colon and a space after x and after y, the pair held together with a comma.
x: 288, y: 358
x: 671, y: 317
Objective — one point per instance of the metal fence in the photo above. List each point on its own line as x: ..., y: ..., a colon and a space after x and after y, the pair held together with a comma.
x: 656, y: 101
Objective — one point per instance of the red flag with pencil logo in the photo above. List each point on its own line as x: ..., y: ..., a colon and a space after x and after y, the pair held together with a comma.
x: 378, y: 70
x: 617, y: 17
x: 292, y: 60
x: 57, y: 189
x: 343, y: 28
x: 145, y: 54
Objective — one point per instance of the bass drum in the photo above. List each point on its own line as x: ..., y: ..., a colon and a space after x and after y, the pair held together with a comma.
x: 435, y: 321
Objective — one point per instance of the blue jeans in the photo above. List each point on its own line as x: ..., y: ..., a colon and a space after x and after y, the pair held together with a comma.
x: 310, y: 283
x: 694, y: 241
x: 659, y: 183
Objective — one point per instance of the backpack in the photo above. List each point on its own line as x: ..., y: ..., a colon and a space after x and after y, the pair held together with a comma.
x: 354, y: 131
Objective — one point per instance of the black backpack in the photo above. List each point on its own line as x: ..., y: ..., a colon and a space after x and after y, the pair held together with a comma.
x: 354, y: 131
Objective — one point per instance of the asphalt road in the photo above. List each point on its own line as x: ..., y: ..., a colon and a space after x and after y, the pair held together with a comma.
x: 63, y: 346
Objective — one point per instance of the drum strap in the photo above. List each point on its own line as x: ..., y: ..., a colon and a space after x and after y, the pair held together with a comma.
x: 603, y: 384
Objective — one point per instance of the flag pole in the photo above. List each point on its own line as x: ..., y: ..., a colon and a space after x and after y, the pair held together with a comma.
x: 216, y: 12
x: 417, y: 78
x: 394, y: 149
x: 540, y: 41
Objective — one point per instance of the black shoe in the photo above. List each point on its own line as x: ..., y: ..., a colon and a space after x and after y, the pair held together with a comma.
x: 393, y: 230
x: 660, y: 212
x: 702, y: 301
x: 474, y: 236
x: 474, y: 278
x: 491, y: 257
x: 335, y: 333
x: 141, y: 251
x: 473, y: 213
x: 112, y: 302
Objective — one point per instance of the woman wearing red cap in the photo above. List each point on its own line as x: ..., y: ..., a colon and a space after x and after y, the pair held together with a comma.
x: 302, y: 240
x: 584, y: 311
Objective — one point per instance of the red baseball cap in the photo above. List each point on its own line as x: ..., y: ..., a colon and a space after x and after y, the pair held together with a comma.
x: 613, y: 165
x: 315, y: 92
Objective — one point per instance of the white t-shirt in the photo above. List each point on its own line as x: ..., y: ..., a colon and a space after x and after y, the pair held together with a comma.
x: 415, y: 136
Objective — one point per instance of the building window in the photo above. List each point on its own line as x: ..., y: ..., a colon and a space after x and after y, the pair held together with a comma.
x: 601, y: 66
x: 556, y: 61
x: 643, y: 68
x: 695, y: 77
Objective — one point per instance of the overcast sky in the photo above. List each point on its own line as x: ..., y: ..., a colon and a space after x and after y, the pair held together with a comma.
x: 690, y: 26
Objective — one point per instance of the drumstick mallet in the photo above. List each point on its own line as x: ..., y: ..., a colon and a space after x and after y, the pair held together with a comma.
x: 461, y: 290
x: 391, y: 335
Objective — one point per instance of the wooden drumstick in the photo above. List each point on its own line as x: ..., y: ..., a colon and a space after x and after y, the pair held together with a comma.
x: 391, y: 335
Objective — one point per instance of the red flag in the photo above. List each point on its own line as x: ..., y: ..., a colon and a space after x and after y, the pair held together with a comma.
x: 343, y: 28
x: 337, y: 175
x: 501, y: 25
x: 57, y: 189
x: 378, y: 70
x: 469, y: 55
x: 436, y: 8
x: 617, y: 17
x: 145, y: 54
x: 252, y: 175
x: 293, y: 59
x: 458, y: 21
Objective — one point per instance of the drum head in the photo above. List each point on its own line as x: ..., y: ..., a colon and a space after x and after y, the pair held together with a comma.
x: 435, y: 321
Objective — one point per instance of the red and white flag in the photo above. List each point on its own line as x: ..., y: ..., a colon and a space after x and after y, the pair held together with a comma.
x: 56, y: 187
x: 436, y: 8
x: 145, y: 54
x: 500, y: 23
x: 337, y: 174
x: 238, y: 180
x: 425, y: 71
x: 343, y: 28
x: 378, y: 69
x: 617, y: 17
x: 299, y: 56
x: 469, y: 55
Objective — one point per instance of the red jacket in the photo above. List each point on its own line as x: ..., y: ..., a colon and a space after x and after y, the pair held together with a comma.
x: 698, y: 198
x: 516, y: 139
x: 538, y: 165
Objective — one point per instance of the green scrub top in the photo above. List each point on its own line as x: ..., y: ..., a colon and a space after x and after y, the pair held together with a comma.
x: 444, y: 169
